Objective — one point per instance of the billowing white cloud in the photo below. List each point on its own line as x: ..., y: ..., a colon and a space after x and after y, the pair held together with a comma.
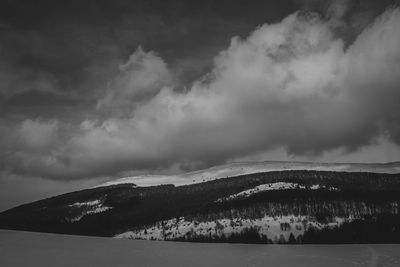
x: 292, y: 85
x: 140, y: 78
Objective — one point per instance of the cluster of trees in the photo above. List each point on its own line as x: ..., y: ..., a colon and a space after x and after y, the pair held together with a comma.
x: 381, y: 228
x: 249, y: 235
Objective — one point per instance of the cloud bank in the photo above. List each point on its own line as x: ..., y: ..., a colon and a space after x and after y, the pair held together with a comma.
x: 294, y: 85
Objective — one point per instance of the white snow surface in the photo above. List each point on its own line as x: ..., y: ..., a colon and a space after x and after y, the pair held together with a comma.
x: 89, y: 207
x: 242, y: 168
x: 83, y: 204
x: 271, y: 187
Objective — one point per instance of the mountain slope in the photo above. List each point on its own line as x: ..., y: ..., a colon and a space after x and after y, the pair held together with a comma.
x: 273, y: 207
x: 243, y: 168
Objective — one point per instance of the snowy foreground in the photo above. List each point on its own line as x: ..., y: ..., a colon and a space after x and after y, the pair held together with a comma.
x: 38, y: 249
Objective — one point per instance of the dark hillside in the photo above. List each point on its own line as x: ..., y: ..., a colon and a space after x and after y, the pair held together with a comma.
x: 373, y: 199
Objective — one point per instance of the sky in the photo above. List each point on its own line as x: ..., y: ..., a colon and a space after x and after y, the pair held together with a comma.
x: 95, y: 90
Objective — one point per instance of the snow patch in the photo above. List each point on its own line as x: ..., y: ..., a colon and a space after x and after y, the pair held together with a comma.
x: 271, y: 187
x: 88, y: 203
x: 87, y: 208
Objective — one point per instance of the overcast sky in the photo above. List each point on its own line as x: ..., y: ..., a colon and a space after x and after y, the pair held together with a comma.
x: 93, y: 90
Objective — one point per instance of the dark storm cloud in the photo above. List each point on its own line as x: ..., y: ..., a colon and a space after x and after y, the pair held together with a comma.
x: 74, y: 48
x: 94, y: 88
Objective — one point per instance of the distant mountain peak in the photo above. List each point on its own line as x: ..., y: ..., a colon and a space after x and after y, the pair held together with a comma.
x: 244, y: 168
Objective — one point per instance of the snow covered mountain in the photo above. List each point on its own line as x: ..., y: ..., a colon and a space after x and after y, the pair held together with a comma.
x: 243, y: 168
x: 290, y: 206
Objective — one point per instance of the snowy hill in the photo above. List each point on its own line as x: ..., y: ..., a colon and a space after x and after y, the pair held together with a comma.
x: 243, y: 168
x: 291, y: 206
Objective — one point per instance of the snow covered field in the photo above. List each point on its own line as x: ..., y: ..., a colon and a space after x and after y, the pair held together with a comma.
x: 241, y: 168
x: 38, y: 249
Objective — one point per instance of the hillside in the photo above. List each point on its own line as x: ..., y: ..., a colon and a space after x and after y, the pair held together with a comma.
x: 243, y: 168
x: 294, y: 206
